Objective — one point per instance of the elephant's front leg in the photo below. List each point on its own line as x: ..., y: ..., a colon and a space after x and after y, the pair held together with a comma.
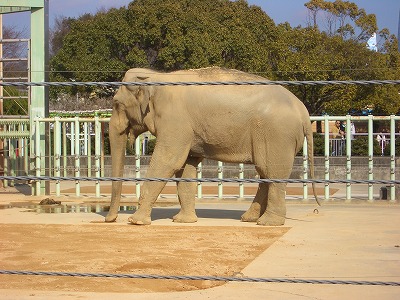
x: 275, y: 213
x: 186, y: 192
x: 149, y: 194
x: 165, y: 161
x: 118, y: 138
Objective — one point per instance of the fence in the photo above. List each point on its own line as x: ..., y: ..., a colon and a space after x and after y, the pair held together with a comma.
x: 77, y: 148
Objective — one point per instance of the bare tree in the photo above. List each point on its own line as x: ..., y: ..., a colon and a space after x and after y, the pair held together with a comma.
x: 18, y: 68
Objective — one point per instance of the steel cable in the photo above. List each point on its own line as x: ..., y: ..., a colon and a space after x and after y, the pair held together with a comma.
x: 208, y: 278
x: 202, y: 180
x: 206, y: 83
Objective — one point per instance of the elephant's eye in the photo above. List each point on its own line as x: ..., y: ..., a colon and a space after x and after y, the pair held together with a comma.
x: 137, y: 92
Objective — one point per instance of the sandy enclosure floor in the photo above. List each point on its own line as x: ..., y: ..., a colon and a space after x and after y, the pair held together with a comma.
x: 116, y: 249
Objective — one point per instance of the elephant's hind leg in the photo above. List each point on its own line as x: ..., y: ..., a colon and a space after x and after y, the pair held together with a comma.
x: 258, y: 205
x: 275, y: 213
x: 186, y: 192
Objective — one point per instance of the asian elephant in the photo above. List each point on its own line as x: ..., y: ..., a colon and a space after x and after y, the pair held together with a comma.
x: 262, y: 125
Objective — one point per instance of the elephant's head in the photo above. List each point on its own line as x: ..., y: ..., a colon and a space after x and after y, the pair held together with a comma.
x: 131, y: 115
x: 131, y: 104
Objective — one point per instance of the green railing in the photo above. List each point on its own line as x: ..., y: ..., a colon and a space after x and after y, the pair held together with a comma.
x: 77, y: 147
x: 14, y: 158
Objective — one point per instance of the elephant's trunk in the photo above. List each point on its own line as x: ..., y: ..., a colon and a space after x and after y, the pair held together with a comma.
x: 118, y: 139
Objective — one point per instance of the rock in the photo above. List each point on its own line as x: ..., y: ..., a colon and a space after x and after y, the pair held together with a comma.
x: 49, y: 201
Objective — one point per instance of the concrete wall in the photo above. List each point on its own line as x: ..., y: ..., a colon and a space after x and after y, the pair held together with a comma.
x: 337, y: 168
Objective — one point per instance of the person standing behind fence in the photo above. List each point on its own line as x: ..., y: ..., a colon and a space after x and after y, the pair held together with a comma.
x: 338, y: 143
x: 352, y: 131
x: 381, y: 138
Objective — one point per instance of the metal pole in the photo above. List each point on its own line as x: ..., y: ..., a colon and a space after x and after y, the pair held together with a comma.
x: 73, y: 137
x: 370, y: 157
x: 5, y: 165
x: 220, y: 176
x: 305, y: 169
x: 12, y: 156
x: 392, y: 158
x: 57, y: 153
x: 85, y: 141
x: 102, y: 144
x: 199, y: 184
x: 348, y: 157
x: 2, y: 156
x: 89, y: 149
x: 327, y: 150
x: 97, y: 145
x: 77, y: 158
x: 38, y: 161
x: 241, y: 185
x: 137, y: 165
x: 39, y: 65
x: 64, y: 148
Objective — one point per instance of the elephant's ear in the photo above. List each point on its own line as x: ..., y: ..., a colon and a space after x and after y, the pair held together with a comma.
x: 144, y: 93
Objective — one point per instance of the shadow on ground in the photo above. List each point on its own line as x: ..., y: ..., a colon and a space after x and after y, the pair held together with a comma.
x: 159, y: 213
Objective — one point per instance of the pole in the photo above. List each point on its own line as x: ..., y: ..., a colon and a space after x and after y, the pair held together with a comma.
x: 1, y: 101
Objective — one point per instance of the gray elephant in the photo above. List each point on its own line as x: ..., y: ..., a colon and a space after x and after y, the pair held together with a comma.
x: 260, y: 125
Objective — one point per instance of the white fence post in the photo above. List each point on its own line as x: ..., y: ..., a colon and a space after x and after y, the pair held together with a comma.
x: 220, y: 176
x: 137, y: 165
x: 370, y: 157
x: 305, y: 169
x: 392, y: 158
x: 241, y: 185
x: 327, y: 153
x: 77, y: 157
x: 97, y: 145
x: 199, y: 184
x: 348, y: 156
x: 57, y: 153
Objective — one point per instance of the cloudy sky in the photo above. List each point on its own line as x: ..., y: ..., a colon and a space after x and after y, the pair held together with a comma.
x: 293, y: 11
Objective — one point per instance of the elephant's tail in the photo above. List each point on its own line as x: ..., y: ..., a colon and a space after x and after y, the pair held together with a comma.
x: 310, y: 153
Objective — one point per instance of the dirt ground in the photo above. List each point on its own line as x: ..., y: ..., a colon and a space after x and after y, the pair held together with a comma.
x: 357, y: 240
x: 115, y: 249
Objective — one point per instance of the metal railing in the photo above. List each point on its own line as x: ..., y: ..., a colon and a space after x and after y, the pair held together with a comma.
x: 77, y: 148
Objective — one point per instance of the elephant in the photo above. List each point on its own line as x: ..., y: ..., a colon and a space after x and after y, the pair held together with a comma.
x: 264, y: 125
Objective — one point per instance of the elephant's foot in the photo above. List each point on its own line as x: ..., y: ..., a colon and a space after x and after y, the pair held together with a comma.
x: 111, y: 217
x: 139, y: 218
x: 250, y: 216
x: 271, y: 219
x: 185, y: 217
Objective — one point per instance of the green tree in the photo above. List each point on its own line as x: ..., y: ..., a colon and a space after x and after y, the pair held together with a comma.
x: 166, y: 35
x: 343, y: 18
x: 17, y: 106
x: 175, y: 34
x: 338, y: 53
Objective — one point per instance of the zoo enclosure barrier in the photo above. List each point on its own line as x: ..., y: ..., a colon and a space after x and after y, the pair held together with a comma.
x: 38, y: 156
x: 77, y: 148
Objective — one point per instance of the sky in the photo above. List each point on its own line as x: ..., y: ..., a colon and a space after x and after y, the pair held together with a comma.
x: 292, y: 11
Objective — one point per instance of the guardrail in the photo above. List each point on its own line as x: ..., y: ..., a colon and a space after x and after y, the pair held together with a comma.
x: 77, y: 148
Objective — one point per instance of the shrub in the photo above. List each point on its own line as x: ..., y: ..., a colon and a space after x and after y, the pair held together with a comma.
x: 359, y: 146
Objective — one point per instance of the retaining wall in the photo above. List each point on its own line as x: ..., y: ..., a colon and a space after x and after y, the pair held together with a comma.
x: 337, y: 168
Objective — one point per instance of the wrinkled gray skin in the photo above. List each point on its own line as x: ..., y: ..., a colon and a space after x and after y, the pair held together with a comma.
x: 260, y: 125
